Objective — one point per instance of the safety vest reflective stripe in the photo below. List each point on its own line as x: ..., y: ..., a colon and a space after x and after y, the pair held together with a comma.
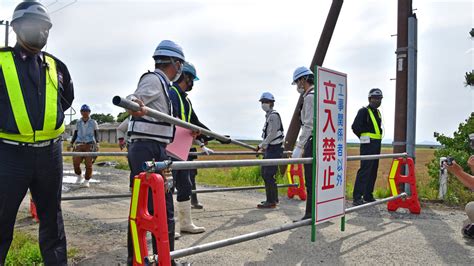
x: 14, y: 92
x: 133, y: 215
x: 15, y: 95
x: 183, y: 113
x: 377, y: 134
x: 391, y: 178
x: 136, y: 247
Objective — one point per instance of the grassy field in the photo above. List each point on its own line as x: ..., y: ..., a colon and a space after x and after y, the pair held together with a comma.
x: 251, y: 175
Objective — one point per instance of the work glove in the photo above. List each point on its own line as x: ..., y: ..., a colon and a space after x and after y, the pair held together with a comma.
x: 122, y: 143
x: 70, y: 146
x: 297, y: 152
x: 206, y: 150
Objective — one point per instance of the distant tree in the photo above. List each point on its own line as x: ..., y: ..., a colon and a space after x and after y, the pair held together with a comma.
x: 122, y: 116
x: 102, y: 118
x: 73, y: 122
x: 469, y: 79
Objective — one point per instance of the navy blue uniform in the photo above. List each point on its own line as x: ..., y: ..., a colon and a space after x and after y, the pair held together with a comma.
x: 182, y: 178
x: 38, y: 168
x: 367, y: 173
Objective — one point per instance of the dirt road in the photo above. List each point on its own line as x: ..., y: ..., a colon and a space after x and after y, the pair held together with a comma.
x: 97, y: 228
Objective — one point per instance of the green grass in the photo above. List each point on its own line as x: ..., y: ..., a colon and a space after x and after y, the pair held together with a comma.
x: 24, y: 250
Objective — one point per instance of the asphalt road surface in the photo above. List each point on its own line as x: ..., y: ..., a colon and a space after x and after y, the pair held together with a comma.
x: 97, y: 230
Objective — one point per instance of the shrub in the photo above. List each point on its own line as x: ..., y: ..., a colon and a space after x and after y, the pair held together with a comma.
x: 458, y: 148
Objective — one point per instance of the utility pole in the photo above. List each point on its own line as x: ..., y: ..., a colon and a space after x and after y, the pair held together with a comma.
x: 7, y: 25
x: 400, y: 133
x: 322, y: 48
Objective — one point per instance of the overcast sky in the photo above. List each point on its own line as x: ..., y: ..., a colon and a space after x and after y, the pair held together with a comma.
x: 243, y: 48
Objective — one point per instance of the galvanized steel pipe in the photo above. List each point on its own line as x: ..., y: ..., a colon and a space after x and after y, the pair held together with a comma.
x: 127, y: 104
x: 183, y: 165
x: 209, y: 190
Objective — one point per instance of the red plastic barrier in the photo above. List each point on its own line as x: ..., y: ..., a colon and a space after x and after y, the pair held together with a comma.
x: 300, y: 191
x: 395, y: 179
x: 33, y: 212
x: 142, y: 222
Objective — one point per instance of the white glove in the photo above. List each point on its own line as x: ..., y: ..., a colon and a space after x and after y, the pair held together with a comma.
x: 207, y: 150
x: 297, y: 152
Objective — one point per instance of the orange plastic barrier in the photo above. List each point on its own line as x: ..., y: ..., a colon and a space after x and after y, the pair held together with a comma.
x: 142, y: 222
x: 33, y: 212
x: 300, y: 191
x: 395, y: 179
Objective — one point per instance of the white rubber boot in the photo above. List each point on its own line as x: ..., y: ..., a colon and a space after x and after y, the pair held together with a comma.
x: 185, y: 222
x: 85, y: 184
x: 79, y: 179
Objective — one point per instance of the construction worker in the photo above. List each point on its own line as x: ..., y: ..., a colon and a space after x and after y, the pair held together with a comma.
x: 368, y: 128
x: 35, y: 90
x: 303, y: 78
x: 183, y: 110
x: 149, y: 136
x: 84, y: 139
x: 273, y: 136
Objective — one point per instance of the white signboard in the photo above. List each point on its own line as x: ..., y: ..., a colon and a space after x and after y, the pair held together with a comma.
x: 331, y: 97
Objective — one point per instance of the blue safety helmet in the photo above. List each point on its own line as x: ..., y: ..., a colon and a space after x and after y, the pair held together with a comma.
x: 169, y: 48
x: 301, y: 72
x: 85, y: 108
x: 267, y: 96
x: 190, y: 69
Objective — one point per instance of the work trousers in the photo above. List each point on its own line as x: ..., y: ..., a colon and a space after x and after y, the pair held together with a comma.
x: 40, y: 170
x: 269, y: 172
x: 308, y: 176
x: 367, y: 173
x: 182, y: 179
x: 139, y: 152
x: 77, y: 160
x: 192, y: 176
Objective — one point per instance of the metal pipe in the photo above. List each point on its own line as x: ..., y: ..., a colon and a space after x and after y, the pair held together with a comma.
x: 216, y: 153
x: 258, y: 234
x: 127, y: 104
x: 411, y: 105
x: 112, y: 196
x: 183, y: 165
x: 210, y: 190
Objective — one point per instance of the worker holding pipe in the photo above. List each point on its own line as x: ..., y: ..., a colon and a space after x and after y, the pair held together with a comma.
x: 273, y: 137
x: 183, y: 109
x: 303, y: 78
x: 149, y: 136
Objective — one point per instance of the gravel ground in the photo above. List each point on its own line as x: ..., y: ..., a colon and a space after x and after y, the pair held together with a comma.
x: 97, y: 229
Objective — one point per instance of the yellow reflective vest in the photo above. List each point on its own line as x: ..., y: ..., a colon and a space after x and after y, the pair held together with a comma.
x: 377, y: 134
x: 183, y: 113
x: 26, y: 133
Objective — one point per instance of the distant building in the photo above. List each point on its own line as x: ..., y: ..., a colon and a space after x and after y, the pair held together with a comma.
x: 107, y: 132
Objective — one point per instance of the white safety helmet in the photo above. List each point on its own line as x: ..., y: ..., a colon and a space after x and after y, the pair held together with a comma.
x: 267, y: 96
x: 301, y: 72
x: 31, y: 10
x: 375, y: 92
x: 168, y: 48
